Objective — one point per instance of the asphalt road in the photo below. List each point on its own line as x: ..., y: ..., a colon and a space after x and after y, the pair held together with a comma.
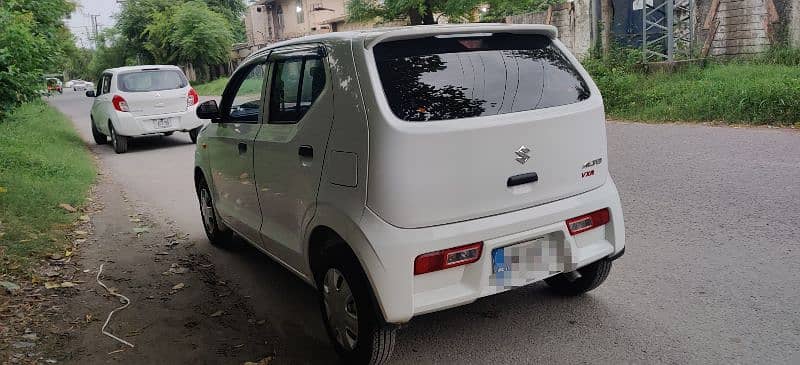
x: 711, y: 273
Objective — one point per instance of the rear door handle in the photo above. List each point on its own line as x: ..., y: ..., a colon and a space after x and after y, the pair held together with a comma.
x: 522, y: 179
x: 306, y: 151
x: 242, y: 148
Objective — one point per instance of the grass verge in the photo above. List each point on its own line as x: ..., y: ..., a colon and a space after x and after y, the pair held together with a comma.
x: 43, y: 163
x: 750, y: 92
x: 213, y: 88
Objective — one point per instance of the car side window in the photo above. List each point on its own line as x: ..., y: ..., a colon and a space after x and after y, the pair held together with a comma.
x: 106, y: 84
x: 246, y: 105
x: 296, y: 84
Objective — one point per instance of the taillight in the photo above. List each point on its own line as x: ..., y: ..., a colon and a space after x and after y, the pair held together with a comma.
x: 586, y: 222
x: 120, y: 104
x: 445, y: 259
x: 192, y: 98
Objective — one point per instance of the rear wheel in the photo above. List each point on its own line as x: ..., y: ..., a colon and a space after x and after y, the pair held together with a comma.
x: 354, y: 325
x: 217, y: 233
x: 98, y: 136
x: 194, y: 133
x: 591, y: 276
x: 120, y: 143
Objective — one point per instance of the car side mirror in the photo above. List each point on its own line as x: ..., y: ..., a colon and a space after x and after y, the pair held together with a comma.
x: 90, y: 93
x: 209, y: 110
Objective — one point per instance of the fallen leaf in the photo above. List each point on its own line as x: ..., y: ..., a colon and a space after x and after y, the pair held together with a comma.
x: 216, y: 314
x: 139, y: 230
x: 178, y: 286
x: 81, y: 233
x: 84, y: 218
x: 49, y: 285
x: 88, y: 317
x: 265, y: 361
x: 67, y: 253
x: 67, y: 207
x: 135, y: 220
x: 178, y: 270
x: 10, y: 287
x: 3, y: 190
x: 68, y: 284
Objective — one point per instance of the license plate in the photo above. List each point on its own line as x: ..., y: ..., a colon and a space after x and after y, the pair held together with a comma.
x: 526, y: 262
x: 162, y: 123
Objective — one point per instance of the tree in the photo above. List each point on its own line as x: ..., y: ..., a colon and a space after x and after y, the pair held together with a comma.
x: 427, y: 11
x: 33, y: 41
x: 190, y: 33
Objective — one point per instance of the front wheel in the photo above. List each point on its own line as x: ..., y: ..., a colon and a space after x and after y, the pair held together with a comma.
x: 354, y: 325
x: 217, y: 233
x: 194, y: 133
x: 589, y: 278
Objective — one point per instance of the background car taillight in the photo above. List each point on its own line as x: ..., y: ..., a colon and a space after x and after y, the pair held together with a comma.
x: 192, y: 98
x: 586, y: 222
x: 445, y: 259
x: 120, y: 104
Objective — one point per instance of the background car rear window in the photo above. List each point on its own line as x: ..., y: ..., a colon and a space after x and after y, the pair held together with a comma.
x: 151, y: 80
x: 439, y: 78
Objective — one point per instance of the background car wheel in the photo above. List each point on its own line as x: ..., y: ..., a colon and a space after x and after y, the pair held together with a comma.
x: 217, y: 233
x: 120, y: 143
x: 591, y: 276
x: 353, y: 321
x: 194, y: 133
x: 98, y: 136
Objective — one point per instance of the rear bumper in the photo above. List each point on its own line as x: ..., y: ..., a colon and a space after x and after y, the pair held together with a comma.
x: 133, y: 126
x: 402, y: 295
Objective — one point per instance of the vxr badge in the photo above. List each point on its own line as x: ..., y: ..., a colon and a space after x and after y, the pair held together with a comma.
x: 522, y: 155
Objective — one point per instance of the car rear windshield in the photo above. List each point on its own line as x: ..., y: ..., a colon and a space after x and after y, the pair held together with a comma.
x: 447, y: 77
x: 152, y: 80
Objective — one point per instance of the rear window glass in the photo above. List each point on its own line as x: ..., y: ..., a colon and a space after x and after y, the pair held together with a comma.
x: 151, y: 80
x: 438, y: 78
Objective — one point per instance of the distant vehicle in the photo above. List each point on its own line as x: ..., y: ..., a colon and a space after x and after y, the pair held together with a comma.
x: 143, y: 101
x: 54, y: 85
x: 79, y: 85
x: 426, y: 168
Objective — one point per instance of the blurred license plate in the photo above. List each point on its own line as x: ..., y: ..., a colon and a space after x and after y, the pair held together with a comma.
x: 526, y: 262
x: 162, y: 123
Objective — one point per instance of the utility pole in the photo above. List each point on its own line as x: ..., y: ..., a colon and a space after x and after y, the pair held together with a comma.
x: 95, y: 26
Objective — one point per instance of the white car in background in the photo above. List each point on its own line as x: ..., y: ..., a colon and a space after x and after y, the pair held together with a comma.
x: 139, y: 101
x: 77, y: 85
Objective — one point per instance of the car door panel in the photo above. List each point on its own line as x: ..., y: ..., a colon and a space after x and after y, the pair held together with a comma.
x: 289, y: 156
x: 230, y: 149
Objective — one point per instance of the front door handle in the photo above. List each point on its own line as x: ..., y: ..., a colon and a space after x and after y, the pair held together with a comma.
x: 242, y: 148
x: 306, y: 151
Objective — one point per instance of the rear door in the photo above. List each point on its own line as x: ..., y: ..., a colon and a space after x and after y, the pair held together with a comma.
x: 101, y: 106
x: 290, y: 148
x: 154, y: 91
x: 478, y: 125
x: 230, y: 149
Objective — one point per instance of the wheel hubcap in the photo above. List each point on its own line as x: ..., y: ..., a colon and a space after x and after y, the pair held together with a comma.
x: 114, y: 137
x: 340, y: 308
x: 206, y: 209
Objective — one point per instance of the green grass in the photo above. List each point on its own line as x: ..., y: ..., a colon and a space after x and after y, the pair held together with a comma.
x: 213, y: 88
x: 43, y: 163
x: 745, y: 92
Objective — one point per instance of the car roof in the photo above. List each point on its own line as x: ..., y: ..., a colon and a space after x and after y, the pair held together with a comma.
x: 373, y: 36
x: 141, y: 67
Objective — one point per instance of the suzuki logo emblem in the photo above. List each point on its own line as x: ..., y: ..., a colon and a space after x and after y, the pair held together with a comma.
x: 522, y: 155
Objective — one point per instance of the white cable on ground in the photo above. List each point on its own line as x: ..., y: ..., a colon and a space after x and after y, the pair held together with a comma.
x: 124, y: 300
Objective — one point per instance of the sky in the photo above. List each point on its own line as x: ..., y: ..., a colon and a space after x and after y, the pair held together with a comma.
x: 81, y: 23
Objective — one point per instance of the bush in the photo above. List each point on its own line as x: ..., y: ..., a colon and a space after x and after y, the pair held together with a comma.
x: 765, y: 90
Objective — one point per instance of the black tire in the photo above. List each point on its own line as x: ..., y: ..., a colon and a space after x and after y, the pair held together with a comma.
x: 98, y: 136
x: 194, y: 133
x: 217, y: 233
x: 376, y: 338
x: 592, y: 276
x: 120, y: 143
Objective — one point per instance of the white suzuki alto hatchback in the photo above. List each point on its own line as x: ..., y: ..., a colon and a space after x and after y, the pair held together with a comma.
x: 139, y: 101
x: 405, y: 171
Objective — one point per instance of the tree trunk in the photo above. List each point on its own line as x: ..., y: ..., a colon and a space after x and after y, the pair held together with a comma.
x: 414, y: 17
x: 608, y: 20
x: 426, y: 18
